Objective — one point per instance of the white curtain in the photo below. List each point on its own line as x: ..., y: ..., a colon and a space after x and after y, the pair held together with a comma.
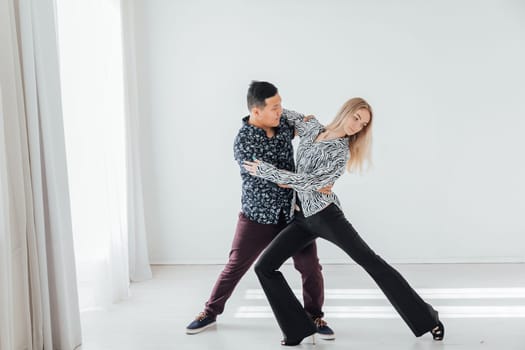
x: 90, y: 55
x: 139, y: 267
x: 100, y: 122
x: 38, y: 294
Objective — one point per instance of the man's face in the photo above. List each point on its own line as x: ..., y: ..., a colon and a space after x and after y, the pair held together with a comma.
x: 270, y: 115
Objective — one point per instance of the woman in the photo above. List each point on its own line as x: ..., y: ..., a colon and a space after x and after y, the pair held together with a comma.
x: 322, y: 156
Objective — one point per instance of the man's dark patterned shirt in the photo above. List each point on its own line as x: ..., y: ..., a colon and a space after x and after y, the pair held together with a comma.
x: 263, y: 201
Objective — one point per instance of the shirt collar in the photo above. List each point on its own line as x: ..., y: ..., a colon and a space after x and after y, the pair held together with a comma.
x: 247, y: 125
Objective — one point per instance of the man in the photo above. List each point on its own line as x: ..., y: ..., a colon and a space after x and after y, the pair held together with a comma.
x: 266, y: 209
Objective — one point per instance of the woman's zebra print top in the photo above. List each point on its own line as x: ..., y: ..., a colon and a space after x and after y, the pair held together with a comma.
x: 319, y: 164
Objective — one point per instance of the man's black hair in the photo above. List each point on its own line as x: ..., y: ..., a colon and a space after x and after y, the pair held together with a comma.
x: 258, y: 92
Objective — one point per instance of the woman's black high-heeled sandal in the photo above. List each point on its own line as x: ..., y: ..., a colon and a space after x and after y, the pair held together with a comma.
x: 438, y: 332
x: 286, y: 342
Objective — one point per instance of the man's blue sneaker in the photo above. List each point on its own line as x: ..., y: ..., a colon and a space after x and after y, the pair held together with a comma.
x: 201, y: 322
x: 323, y: 331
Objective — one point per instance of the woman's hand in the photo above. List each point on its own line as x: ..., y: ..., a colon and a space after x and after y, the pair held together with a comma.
x: 251, y: 167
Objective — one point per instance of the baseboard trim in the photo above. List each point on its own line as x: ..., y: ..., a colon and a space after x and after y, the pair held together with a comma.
x: 501, y: 260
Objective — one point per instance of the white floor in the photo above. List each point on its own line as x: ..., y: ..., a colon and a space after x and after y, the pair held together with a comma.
x: 481, y: 305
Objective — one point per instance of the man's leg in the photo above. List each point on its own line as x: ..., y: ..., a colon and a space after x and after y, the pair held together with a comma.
x: 249, y: 240
x: 307, y: 263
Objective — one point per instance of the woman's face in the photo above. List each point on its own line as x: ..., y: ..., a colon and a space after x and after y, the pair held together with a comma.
x: 356, y: 121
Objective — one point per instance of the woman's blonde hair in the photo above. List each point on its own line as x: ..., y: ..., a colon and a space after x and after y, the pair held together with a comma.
x: 360, y: 144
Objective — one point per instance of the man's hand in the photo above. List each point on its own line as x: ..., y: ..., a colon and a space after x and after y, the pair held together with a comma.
x: 326, y: 190
x: 308, y: 118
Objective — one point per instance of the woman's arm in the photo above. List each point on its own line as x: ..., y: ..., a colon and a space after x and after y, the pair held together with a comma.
x: 323, y: 176
x: 299, y: 121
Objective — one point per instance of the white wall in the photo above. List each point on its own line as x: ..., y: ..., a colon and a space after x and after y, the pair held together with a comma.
x: 446, y: 79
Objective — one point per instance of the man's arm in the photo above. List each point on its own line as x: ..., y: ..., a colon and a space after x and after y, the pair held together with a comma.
x: 243, y: 150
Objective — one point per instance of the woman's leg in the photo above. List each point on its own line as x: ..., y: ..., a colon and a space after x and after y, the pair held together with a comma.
x: 333, y: 226
x: 291, y: 317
